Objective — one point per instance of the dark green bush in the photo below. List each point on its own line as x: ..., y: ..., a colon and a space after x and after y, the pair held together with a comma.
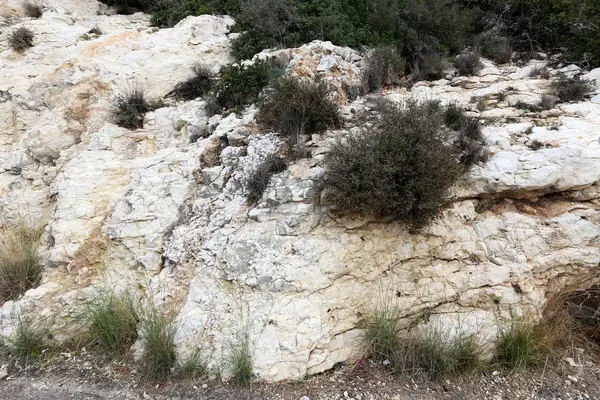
x: 295, y: 107
x: 240, y: 84
x: 384, y: 67
x: 130, y: 6
x: 21, y: 39
x: 572, y: 89
x: 129, y: 108
x: 468, y: 64
x: 431, y: 67
x: 167, y: 13
x: 257, y: 181
x: 200, y: 83
x: 496, y: 48
x: 402, y: 168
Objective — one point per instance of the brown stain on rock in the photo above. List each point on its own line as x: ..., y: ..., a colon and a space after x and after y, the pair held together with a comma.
x: 121, y: 39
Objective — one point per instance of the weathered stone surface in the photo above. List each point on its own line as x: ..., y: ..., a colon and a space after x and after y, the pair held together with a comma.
x: 164, y: 208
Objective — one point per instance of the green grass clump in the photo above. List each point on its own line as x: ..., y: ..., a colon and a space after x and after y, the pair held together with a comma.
x: 240, y: 361
x: 30, y: 339
x: 20, y: 261
x: 199, y: 84
x: 159, y: 357
x: 113, y: 320
x: 194, y: 366
x: 520, y: 346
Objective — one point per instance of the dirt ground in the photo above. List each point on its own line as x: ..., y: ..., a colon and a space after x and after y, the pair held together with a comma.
x: 83, y: 377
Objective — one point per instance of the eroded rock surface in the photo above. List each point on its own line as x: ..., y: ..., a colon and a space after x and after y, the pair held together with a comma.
x: 163, y: 209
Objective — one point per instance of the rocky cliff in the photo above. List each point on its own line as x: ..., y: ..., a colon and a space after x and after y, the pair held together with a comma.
x: 163, y: 210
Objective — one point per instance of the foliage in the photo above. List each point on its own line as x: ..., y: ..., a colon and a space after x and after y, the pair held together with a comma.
x: 112, y: 320
x: 520, y: 346
x: 468, y: 64
x: 257, y: 181
x: 158, y: 333
x: 20, y: 261
x: 32, y: 9
x: 240, y: 360
x: 194, y: 366
x: 30, y: 339
x: 496, y: 48
x: 241, y: 84
x: 404, y: 166
x: 294, y: 107
x: 21, y: 39
x: 384, y: 68
x: 200, y: 83
x: 572, y: 89
x: 129, y: 108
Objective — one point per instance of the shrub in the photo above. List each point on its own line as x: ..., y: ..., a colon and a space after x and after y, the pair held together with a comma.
x: 196, y: 86
x: 295, y: 107
x: 384, y: 68
x: 431, y: 67
x: 167, y: 13
x: 112, y: 320
x: 547, y: 102
x: 130, y: 6
x: 33, y: 10
x: 241, y: 361
x: 468, y: 64
x: 402, y: 168
x: 572, y: 89
x: 129, y: 108
x: 496, y: 48
x: 241, y: 84
x: 258, y: 181
x: 520, y: 346
x: 158, y: 333
x: 21, y: 39
x: 95, y: 31
x: 20, y: 261
x: 30, y: 339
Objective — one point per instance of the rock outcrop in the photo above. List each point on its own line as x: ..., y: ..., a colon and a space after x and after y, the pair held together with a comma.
x: 164, y: 209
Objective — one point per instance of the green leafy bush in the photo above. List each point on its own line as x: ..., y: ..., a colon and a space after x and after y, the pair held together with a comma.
x: 294, y: 107
x: 241, y: 84
x: 572, y: 89
x: 21, y: 39
x: 20, y: 262
x: 199, y: 84
x: 403, y: 167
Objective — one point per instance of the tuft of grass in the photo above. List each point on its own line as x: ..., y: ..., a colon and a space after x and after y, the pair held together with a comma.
x: 296, y: 107
x: 20, y: 261
x: 30, y: 339
x: 21, y: 39
x: 158, y: 333
x: 240, y: 360
x: 430, y: 353
x: 520, y: 346
x: 257, y: 182
x: 541, y: 72
x: 95, y: 31
x: 468, y: 64
x: 129, y: 108
x: 384, y: 67
x: 200, y: 83
x: 112, y: 320
x: 194, y: 366
x: 572, y: 89
x: 547, y: 102
x: 32, y: 9
x: 241, y: 84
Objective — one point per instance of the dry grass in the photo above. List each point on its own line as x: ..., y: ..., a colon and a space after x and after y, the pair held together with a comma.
x: 33, y: 9
x: 21, y: 39
x: 20, y: 261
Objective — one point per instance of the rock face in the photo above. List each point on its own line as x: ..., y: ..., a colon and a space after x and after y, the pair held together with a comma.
x: 164, y: 209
